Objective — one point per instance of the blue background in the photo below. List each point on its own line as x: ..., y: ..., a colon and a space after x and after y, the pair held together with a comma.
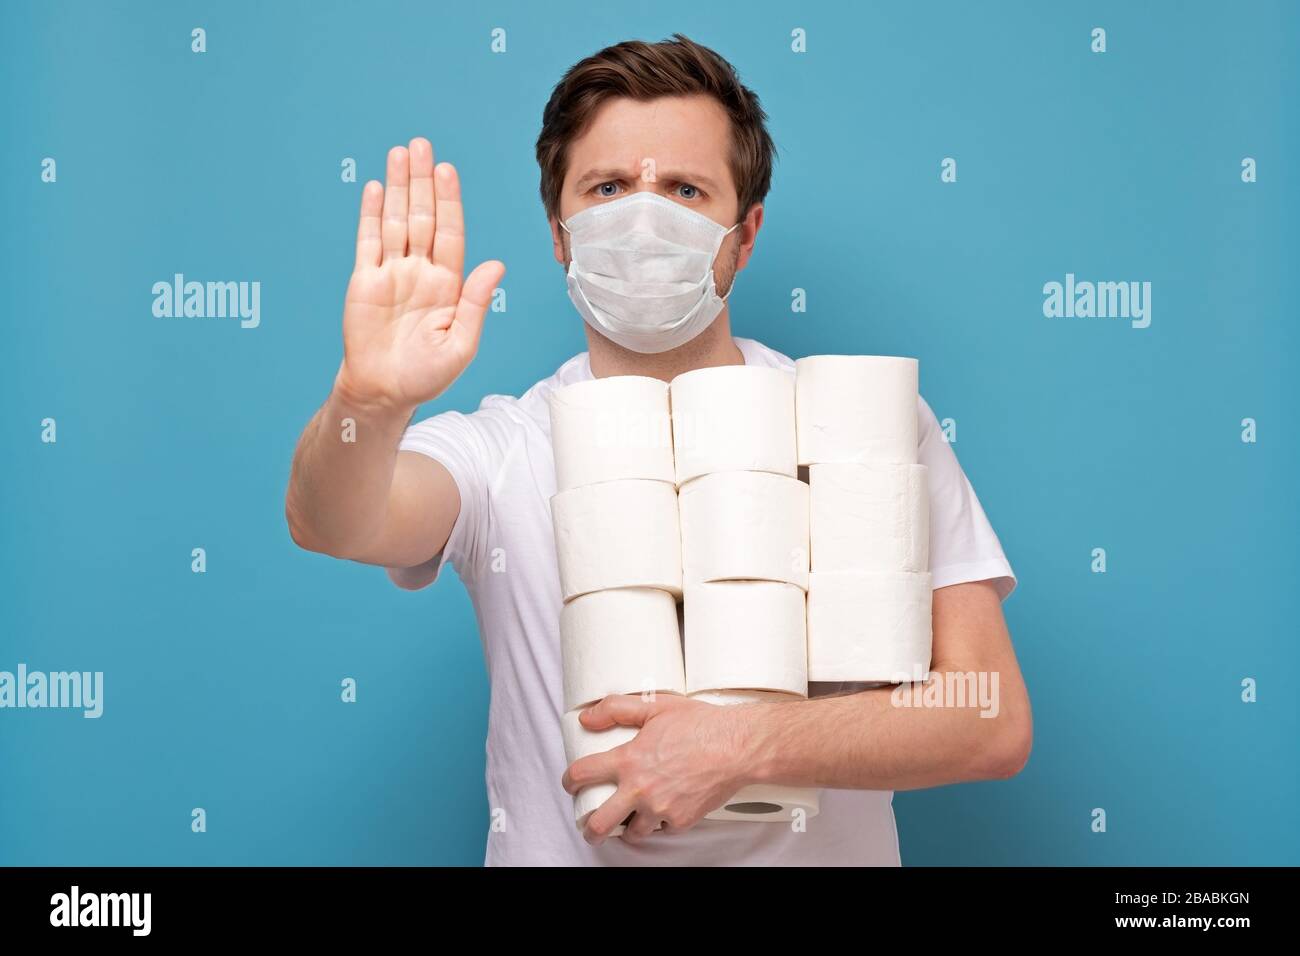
x: 222, y: 689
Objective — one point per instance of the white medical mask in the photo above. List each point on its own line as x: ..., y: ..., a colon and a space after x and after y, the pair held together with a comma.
x: 641, y: 271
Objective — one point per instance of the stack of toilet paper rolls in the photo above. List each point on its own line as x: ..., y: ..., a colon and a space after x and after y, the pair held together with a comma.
x: 619, y: 552
x: 744, y: 538
x: 691, y: 491
x: 869, y: 591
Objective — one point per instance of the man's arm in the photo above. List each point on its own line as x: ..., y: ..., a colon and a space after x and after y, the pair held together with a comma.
x: 870, y: 741
x: 690, y: 757
x: 410, y: 327
x: 365, y: 500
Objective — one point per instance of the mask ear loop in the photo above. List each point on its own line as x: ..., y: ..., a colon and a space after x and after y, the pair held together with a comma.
x: 733, y: 278
x: 572, y: 261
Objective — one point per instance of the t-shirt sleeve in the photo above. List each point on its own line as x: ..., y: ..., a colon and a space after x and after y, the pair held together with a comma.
x: 963, y: 545
x: 457, y: 443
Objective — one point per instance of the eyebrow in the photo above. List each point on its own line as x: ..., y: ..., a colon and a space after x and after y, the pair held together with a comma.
x: 594, y: 176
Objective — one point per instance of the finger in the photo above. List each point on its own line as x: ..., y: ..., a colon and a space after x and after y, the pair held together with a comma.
x: 607, y: 816
x: 449, y: 231
x: 419, y: 217
x: 475, y: 297
x: 626, y: 710
x: 593, y: 768
x: 399, y: 180
x: 641, y: 826
x: 370, y: 247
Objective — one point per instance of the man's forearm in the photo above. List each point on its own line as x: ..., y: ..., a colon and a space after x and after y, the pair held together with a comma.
x: 342, y: 473
x: 868, y: 741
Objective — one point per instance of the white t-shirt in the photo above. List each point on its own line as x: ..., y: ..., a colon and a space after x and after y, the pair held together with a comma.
x: 502, y: 547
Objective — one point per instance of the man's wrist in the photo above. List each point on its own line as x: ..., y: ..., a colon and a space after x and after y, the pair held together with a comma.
x: 755, y: 732
x: 371, y: 412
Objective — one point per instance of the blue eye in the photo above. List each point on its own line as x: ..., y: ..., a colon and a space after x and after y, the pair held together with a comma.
x: 607, y: 190
x: 687, y: 191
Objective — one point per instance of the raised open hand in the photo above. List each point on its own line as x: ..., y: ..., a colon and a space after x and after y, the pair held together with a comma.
x: 411, y: 324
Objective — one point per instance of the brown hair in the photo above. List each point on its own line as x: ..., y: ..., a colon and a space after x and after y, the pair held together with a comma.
x: 646, y: 71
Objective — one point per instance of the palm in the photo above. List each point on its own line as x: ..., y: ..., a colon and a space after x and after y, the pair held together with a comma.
x: 410, y: 324
x: 395, y: 327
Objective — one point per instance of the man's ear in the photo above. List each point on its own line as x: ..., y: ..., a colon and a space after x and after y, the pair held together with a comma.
x: 557, y: 239
x: 748, y: 231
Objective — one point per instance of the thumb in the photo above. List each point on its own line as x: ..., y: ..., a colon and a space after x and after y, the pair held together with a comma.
x: 475, y: 297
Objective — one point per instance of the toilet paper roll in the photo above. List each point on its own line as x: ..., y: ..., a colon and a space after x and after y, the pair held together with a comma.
x: 733, y: 418
x: 735, y: 696
x: 581, y: 742
x: 739, y: 525
x: 869, y: 517
x: 607, y: 429
x: 859, y: 408
x: 746, y: 634
x: 761, y: 802
x: 768, y: 803
x: 623, y: 641
x: 617, y: 534
x: 869, y: 626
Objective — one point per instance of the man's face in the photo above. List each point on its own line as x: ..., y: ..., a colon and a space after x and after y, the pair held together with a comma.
x: 677, y: 147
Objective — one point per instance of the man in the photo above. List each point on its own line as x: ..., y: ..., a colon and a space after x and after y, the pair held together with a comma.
x: 665, y: 136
